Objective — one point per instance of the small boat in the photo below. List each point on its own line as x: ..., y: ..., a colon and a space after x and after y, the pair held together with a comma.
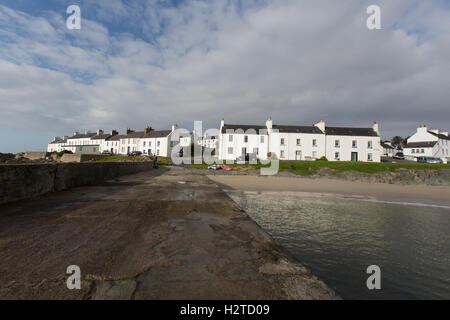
x: 226, y: 168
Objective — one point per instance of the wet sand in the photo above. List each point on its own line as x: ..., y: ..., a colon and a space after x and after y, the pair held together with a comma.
x: 409, y: 194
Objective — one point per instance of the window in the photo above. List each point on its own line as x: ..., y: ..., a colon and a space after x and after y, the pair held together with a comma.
x: 299, y: 142
x: 337, y: 144
x: 230, y: 138
x: 418, y: 151
x: 354, y: 144
x: 281, y: 154
x: 369, y: 144
x: 255, y: 151
x: 158, y: 143
x: 157, y: 152
x: 282, y: 141
x: 336, y: 156
x: 413, y: 151
x: 230, y: 150
x: 245, y: 139
x: 369, y: 157
x: 314, y: 143
x: 262, y: 139
x: 144, y: 144
x: 314, y: 154
x: 95, y: 149
x: 422, y: 151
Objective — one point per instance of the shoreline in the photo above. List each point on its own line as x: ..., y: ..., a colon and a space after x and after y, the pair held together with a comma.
x: 419, y: 195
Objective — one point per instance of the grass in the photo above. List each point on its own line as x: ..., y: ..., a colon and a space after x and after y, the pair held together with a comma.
x: 308, y: 168
x: 303, y: 168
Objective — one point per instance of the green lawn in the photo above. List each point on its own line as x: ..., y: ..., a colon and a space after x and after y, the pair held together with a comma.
x: 301, y: 167
x: 312, y: 167
x: 307, y: 168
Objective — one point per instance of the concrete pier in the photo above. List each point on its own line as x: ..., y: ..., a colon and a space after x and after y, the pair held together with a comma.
x: 159, y: 234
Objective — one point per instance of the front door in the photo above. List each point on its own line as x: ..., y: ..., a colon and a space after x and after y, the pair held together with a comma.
x: 298, y: 155
x: 355, y: 156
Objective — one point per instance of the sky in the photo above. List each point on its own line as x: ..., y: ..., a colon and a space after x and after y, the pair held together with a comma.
x: 159, y: 62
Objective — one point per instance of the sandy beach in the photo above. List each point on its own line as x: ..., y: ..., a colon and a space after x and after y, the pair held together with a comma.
x: 409, y: 194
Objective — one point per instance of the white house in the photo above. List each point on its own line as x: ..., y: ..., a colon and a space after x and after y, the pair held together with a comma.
x: 388, y: 149
x: 240, y: 142
x: 57, y: 144
x: 429, y: 143
x: 81, y: 143
x: 156, y: 142
x: 353, y: 144
x: 101, y: 139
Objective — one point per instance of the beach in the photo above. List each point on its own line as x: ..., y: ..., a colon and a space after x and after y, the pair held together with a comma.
x: 402, y: 194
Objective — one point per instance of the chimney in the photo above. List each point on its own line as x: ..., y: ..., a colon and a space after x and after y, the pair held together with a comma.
x: 321, y: 125
x: 129, y: 131
x: 75, y: 133
x: 66, y: 137
x: 114, y: 132
x: 174, y: 127
x: 222, y: 123
x: 434, y: 130
x: 376, y: 128
x: 269, y: 124
x: 57, y: 138
x: 148, y: 129
x: 99, y: 132
x: 422, y: 129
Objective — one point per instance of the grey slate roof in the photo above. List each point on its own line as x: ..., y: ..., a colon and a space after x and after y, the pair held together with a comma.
x: 101, y: 136
x: 157, y: 134
x: 83, y: 135
x: 344, y: 131
x: 386, y: 146
x: 298, y: 129
x: 424, y: 144
x: 59, y: 141
x: 117, y: 137
x: 243, y: 127
x: 440, y: 136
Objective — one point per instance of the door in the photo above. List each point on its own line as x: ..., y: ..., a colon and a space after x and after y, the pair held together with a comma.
x: 355, y: 156
x: 128, y: 150
x: 298, y: 155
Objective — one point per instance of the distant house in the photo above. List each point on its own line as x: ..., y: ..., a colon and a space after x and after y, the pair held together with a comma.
x: 388, y: 149
x: 428, y: 142
x: 57, y: 144
x: 81, y: 143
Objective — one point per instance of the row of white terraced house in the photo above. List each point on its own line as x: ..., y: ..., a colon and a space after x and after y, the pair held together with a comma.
x: 149, y: 141
x: 249, y: 142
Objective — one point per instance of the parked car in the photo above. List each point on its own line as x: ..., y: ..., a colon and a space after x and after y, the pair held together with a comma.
x: 107, y: 152
x: 134, y: 153
x: 399, y: 156
x: 429, y: 160
x: 214, y: 167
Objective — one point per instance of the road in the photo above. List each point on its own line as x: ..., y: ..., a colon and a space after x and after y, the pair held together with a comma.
x: 161, y: 234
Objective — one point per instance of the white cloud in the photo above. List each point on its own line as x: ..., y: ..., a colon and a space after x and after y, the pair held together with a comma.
x: 298, y: 61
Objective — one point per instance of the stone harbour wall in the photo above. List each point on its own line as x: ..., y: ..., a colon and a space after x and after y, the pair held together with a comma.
x: 24, y: 181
